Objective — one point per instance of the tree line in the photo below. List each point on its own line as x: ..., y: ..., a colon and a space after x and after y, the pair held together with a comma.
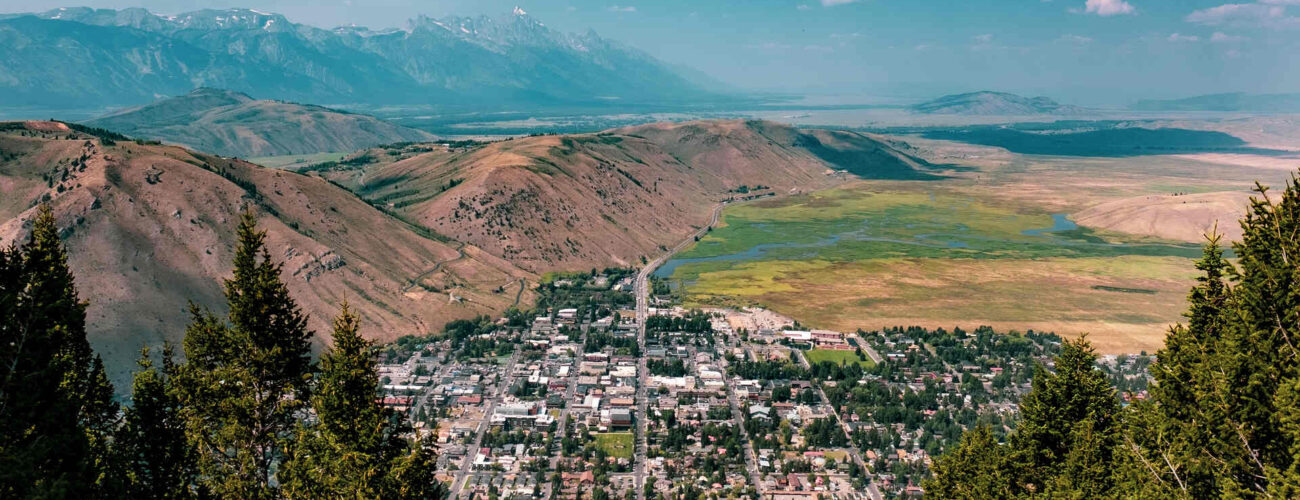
x: 247, y: 415
x: 1223, y: 417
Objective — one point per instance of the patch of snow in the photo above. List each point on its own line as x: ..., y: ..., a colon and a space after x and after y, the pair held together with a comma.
x: 519, y: 12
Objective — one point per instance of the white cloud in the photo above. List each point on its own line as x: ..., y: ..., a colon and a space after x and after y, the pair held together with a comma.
x: 1108, y: 7
x: 1074, y: 39
x: 832, y: 3
x: 803, y: 6
x: 1221, y: 37
x: 844, y: 36
x: 768, y: 46
x: 616, y: 8
x: 985, y: 38
x: 818, y: 48
x: 1177, y: 38
x: 1268, y: 14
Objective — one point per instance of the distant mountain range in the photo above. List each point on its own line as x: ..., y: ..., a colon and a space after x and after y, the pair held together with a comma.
x: 1238, y: 101
x: 988, y: 103
x: 83, y: 57
x: 230, y: 123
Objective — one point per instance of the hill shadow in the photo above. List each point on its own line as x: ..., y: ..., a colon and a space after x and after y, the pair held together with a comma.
x: 1110, y: 142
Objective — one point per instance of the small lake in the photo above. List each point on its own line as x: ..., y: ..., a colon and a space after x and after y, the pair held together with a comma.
x: 1060, y: 222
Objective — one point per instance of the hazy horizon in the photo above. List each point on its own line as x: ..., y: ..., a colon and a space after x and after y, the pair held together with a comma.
x: 1093, y: 52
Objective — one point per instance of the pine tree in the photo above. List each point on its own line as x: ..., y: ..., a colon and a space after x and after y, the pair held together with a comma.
x: 1063, y: 445
x: 1166, y: 441
x: 1224, y: 421
x: 974, y: 469
x: 156, y: 459
x: 55, y: 401
x: 246, y: 379
x: 356, y: 447
x: 1052, y: 413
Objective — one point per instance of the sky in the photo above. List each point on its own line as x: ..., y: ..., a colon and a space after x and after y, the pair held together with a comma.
x: 1087, y: 52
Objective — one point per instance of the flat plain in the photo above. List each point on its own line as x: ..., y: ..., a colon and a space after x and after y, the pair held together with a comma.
x: 995, y: 243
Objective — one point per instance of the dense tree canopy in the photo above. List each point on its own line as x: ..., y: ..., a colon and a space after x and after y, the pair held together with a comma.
x: 56, y: 407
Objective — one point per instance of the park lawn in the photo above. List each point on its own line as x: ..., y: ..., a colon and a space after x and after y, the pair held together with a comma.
x: 837, y: 357
x: 615, y: 444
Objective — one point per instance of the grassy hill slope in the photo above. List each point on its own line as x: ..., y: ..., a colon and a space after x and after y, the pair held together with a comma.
x: 233, y: 124
x: 151, y: 228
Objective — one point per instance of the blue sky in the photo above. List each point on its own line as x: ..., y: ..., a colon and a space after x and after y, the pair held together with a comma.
x: 1092, y: 52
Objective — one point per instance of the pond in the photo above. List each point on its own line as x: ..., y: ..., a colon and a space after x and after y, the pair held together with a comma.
x: 1060, y: 222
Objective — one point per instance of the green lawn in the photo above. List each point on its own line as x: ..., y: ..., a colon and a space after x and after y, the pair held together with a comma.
x: 615, y: 444
x: 838, y: 357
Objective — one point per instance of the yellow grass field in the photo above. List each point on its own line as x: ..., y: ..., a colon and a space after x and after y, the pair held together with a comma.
x: 1124, y: 303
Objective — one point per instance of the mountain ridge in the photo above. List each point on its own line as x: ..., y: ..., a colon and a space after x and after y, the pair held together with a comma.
x: 990, y: 103
x: 150, y: 228
x: 59, y: 58
x: 571, y: 202
x: 1233, y: 101
x: 232, y: 123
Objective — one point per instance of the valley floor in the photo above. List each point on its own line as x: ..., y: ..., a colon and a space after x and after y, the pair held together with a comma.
x: 996, y: 244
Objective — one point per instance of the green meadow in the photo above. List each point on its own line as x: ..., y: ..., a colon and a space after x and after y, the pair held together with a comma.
x: 862, y: 257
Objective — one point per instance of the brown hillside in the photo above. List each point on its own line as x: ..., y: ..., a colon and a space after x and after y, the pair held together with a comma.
x: 587, y: 200
x: 1184, y: 217
x: 233, y: 124
x: 151, y: 227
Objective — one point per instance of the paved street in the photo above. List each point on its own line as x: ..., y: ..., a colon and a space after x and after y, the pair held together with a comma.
x: 459, y: 482
x: 642, y: 314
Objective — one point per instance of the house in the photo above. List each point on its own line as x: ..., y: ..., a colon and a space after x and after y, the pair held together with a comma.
x: 399, y: 403
x: 621, y: 402
x: 620, y: 417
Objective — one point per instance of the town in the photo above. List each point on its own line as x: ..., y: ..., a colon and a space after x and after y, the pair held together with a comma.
x: 575, y: 399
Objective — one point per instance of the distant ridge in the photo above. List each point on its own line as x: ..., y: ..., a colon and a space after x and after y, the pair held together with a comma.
x: 231, y: 123
x: 1237, y: 101
x: 82, y: 57
x: 989, y: 103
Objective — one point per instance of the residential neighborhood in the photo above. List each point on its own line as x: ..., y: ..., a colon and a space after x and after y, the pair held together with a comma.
x: 577, y: 399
